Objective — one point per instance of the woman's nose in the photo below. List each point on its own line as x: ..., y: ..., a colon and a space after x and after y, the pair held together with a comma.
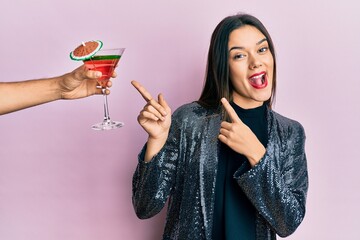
x: 254, y: 62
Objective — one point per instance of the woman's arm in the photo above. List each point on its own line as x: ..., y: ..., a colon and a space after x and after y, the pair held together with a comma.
x: 155, y: 173
x: 279, y: 195
x: 153, y: 180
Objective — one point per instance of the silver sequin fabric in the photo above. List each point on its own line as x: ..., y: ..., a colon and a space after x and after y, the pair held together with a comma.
x: 184, y: 174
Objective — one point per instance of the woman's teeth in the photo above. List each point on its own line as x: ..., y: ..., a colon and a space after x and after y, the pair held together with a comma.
x: 258, y: 81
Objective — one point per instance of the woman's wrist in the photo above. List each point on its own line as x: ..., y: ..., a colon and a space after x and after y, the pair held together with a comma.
x: 154, y: 145
x: 257, y: 155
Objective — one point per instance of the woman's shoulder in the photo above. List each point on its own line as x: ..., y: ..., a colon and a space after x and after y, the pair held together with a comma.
x: 193, y: 109
x: 192, y: 117
x: 286, y: 123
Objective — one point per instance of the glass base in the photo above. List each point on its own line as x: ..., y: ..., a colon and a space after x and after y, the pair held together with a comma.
x: 107, y: 125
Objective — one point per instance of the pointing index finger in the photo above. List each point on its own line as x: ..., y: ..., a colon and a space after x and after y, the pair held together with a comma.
x: 144, y: 93
x: 230, y: 110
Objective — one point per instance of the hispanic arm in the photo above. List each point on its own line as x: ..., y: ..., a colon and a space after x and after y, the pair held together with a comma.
x: 154, y: 176
x: 79, y: 83
x: 277, y: 186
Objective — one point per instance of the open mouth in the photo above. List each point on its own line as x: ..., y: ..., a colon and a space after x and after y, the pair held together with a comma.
x: 258, y: 80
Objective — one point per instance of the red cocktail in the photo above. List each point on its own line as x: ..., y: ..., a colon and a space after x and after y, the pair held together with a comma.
x: 105, y: 64
x: 105, y: 61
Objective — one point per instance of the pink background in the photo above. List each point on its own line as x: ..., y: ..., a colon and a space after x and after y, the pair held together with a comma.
x: 61, y: 180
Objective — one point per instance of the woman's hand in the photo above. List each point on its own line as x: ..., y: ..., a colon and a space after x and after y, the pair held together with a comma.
x: 155, y: 119
x: 239, y: 137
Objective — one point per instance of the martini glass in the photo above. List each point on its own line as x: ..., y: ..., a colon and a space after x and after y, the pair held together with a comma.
x: 105, y: 61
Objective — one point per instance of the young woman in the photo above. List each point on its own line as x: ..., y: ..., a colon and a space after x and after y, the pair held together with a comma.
x: 231, y: 167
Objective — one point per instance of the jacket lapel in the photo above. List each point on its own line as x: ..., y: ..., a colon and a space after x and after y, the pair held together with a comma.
x: 208, y: 167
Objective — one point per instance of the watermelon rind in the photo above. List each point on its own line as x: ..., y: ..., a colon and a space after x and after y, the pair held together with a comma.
x: 88, y: 56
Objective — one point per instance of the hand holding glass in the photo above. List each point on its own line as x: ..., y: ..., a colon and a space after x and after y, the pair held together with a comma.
x: 105, y: 61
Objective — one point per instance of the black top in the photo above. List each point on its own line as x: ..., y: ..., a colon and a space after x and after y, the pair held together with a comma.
x: 234, y: 215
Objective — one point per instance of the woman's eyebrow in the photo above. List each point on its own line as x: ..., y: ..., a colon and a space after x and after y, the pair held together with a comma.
x: 241, y: 48
x: 261, y: 41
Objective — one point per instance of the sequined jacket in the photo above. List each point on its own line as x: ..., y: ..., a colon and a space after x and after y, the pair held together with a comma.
x: 184, y: 171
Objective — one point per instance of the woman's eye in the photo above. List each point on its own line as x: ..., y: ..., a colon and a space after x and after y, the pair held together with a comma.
x: 239, y: 56
x: 263, y: 49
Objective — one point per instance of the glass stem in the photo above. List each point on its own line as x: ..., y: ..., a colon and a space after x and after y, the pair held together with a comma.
x: 106, y: 108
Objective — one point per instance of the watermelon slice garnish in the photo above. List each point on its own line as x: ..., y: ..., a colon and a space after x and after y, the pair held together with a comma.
x: 86, y: 50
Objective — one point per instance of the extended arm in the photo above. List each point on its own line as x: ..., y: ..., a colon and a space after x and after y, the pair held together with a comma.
x: 20, y: 95
x: 154, y: 175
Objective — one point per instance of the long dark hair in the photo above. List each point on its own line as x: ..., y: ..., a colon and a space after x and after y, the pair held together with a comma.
x: 217, y: 80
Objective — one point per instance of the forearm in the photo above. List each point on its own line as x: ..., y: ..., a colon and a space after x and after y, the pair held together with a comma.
x: 152, y: 183
x: 144, y: 201
x: 279, y: 197
x: 19, y: 95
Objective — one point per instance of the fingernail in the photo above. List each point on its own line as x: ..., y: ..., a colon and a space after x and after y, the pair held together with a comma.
x: 98, y: 74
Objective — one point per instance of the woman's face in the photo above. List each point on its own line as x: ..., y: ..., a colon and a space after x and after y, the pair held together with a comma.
x: 251, y: 67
